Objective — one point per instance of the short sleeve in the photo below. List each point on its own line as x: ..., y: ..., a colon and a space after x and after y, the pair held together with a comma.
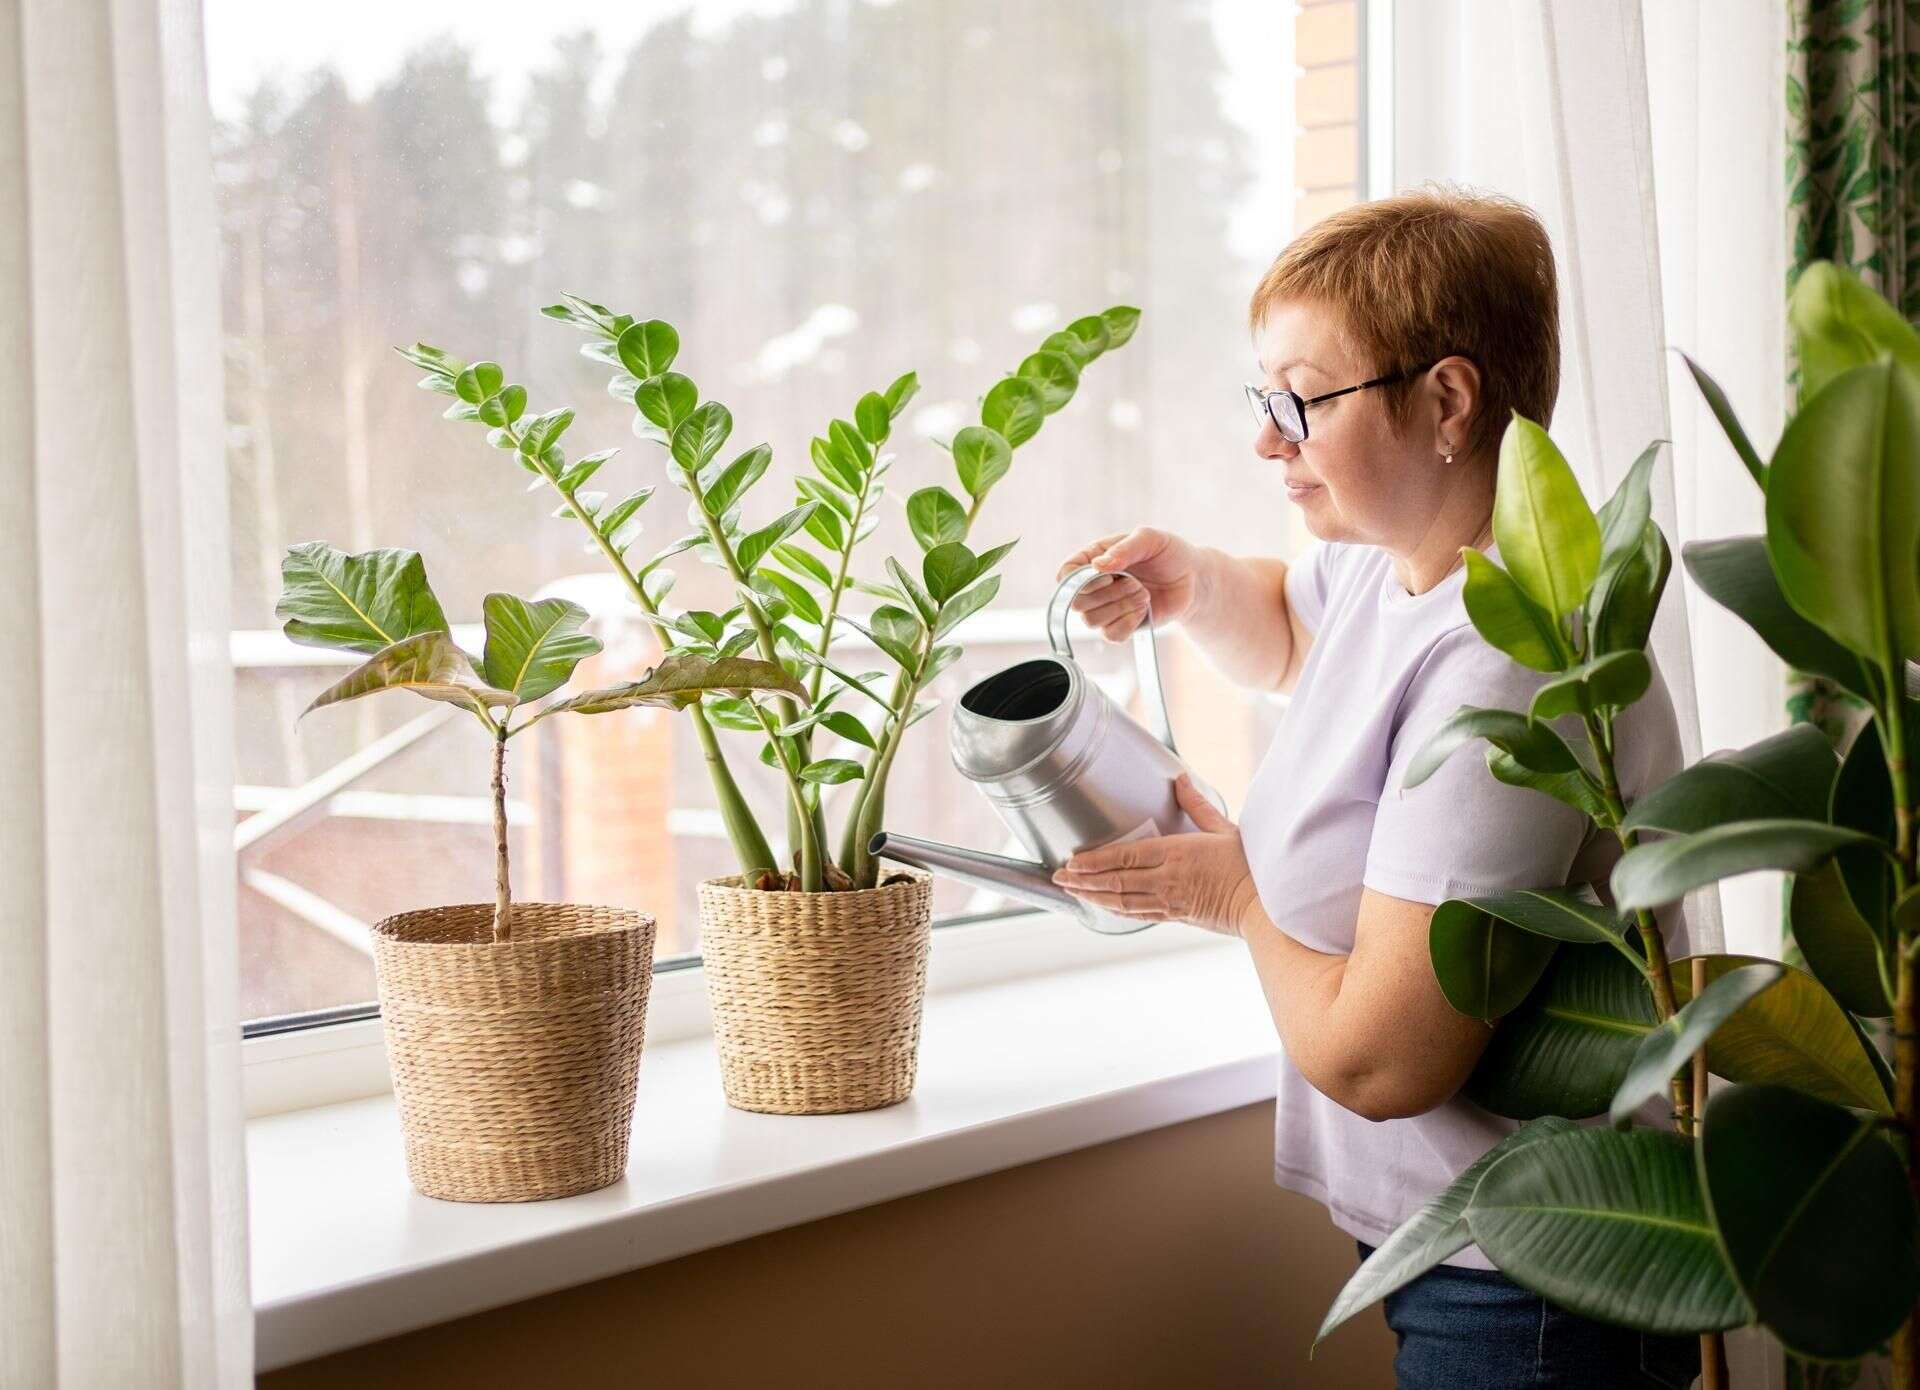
x: 1307, y: 581
x: 1462, y: 833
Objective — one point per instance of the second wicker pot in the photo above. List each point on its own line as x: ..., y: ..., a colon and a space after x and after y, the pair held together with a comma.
x: 816, y: 996
x: 514, y: 1062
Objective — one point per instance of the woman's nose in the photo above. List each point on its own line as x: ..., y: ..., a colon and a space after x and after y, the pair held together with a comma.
x: 1270, y: 444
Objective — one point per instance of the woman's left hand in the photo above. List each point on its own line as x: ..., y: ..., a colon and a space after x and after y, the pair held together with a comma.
x: 1200, y: 877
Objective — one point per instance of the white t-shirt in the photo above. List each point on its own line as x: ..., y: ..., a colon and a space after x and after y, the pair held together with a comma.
x: 1325, y: 815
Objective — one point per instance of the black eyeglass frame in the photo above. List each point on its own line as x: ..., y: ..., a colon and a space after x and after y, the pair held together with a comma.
x: 1262, y: 401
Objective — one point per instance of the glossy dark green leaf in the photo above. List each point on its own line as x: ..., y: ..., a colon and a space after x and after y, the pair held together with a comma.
x: 834, y: 465
x: 1561, y: 914
x: 1570, y: 787
x: 621, y: 512
x: 1014, y: 409
x: 1664, y: 871
x: 533, y: 645
x: 1535, y: 746
x: 478, y: 382
x: 831, y: 770
x: 874, y: 418
x: 1610, y: 1225
x: 698, y: 437
x: 923, y: 602
x: 754, y: 546
x: 1671, y: 1046
x: 666, y: 400
x: 1863, y: 800
x: 1623, y: 603
x: 1737, y: 575
x: 1055, y: 374
x: 1623, y: 517
x: 848, y: 727
x: 801, y: 562
x: 358, y: 603
x: 1547, y: 534
x: 1566, y: 1049
x: 1795, y: 1034
x: 1484, y: 966
x: 1785, y: 777
x: 987, y: 559
x: 1843, y: 512
x: 938, y: 660
x: 1840, y: 947
x: 981, y: 456
x: 1722, y: 409
x: 935, y: 517
x: 798, y: 599
x: 948, y: 568
x: 1814, y: 1213
x: 506, y: 407
x: 1432, y: 1234
x: 812, y: 489
x: 428, y: 664
x: 900, y: 654
x: 826, y: 527
x: 1610, y: 682
x: 740, y: 475
x: 904, y: 388
x: 538, y: 439
x: 1509, y: 620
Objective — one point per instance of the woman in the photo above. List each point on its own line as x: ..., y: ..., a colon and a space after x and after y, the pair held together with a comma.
x: 1396, y: 339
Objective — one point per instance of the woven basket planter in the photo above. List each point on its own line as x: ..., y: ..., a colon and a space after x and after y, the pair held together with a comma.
x: 816, y: 996
x: 514, y: 1063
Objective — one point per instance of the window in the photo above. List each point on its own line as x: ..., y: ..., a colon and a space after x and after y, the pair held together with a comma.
x: 819, y: 194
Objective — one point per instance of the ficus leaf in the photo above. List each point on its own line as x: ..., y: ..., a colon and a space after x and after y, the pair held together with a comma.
x: 1535, y: 746
x: 1670, y: 1046
x: 1664, y: 871
x: 1722, y: 409
x: 1547, y: 534
x: 1503, y: 614
x: 1737, y: 575
x: 359, y: 603
x: 1610, y: 682
x: 1839, y: 324
x: 1787, y: 776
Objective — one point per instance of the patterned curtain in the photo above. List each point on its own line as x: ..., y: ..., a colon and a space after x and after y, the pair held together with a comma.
x: 1853, y: 171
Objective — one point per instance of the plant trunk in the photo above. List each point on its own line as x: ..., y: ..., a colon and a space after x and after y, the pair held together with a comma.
x: 1906, y: 1079
x: 502, y: 893
x: 750, y: 846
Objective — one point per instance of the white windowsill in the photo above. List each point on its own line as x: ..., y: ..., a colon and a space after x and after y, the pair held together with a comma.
x: 345, y: 1252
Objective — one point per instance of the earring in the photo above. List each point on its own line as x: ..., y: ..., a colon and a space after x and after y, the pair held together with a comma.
x: 1448, y: 452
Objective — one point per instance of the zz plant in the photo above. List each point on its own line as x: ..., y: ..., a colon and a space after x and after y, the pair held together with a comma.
x: 790, y: 575
x: 1787, y: 1198
x: 380, y: 603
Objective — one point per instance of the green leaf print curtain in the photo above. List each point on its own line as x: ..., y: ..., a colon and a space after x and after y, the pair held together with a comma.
x: 1853, y: 171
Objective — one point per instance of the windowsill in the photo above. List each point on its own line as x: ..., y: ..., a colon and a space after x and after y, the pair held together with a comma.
x: 345, y: 1252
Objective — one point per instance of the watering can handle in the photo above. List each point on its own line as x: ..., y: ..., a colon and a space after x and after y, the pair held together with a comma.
x: 1146, y: 657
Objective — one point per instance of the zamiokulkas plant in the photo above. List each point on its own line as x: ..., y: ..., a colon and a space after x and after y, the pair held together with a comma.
x: 1794, y: 1205
x: 790, y: 614
x: 380, y: 603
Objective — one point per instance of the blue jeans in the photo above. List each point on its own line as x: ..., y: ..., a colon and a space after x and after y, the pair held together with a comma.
x: 1476, y: 1327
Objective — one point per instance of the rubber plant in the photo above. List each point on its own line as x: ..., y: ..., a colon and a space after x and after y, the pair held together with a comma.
x: 789, y: 575
x: 380, y: 604
x: 1788, y: 1197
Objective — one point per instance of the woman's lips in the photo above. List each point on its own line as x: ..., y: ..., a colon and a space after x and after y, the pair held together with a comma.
x: 1296, y: 491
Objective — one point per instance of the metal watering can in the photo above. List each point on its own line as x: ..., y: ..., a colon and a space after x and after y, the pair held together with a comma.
x: 1064, y: 768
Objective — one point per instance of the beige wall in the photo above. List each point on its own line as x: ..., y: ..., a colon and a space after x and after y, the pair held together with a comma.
x: 1168, y: 1259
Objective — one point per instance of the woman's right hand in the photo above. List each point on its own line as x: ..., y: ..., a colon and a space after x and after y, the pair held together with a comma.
x: 1159, y: 566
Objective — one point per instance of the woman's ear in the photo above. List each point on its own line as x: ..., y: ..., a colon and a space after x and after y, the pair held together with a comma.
x: 1455, y: 383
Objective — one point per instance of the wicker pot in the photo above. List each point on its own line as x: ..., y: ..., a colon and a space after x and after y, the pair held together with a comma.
x: 514, y: 1063
x: 816, y: 996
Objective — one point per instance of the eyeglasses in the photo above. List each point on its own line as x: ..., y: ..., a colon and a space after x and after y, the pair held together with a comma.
x: 1288, y: 410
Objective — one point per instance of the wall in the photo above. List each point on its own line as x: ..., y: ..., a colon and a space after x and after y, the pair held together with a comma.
x: 1167, y: 1259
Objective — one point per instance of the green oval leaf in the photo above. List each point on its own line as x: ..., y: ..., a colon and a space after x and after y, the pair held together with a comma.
x: 1840, y: 947
x: 1815, y: 1215
x: 698, y: 437
x: 1785, y: 777
x: 936, y: 517
x: 797, y: 598
x: 874, y: 417
x: 848, y: 727
x: 1055, y: 374
x: 830, y: 770
x: 504, y: 408
x: 1671, y: 1046
x: 1722, y: 409
x: 1508, y: 619
x: 948, y: 568
x: 1569, y: 787
x: 478, y: 382
x: 802, y: 562
x: 1092, y: 333
x: 1652, y: 875
x: 1737, y: 575
x: 1843, y: 512
x: 1431, y: 1234
x: 359, y: 603
x: 1484, y: 966
x: 904, y: 388
x: 753, y: 548
x: 648, y: 349
x: 1839, y: 324
x: 1794, y: 1034
x: 1862, y: 800
x: 666, y: 400
x: 1610, y: 682
x: 1623, y: 601
x: 1546, y: 532
x: 1609, y: 1225
x: 1567, y: 1048
x: 533, y: 646
x: 1120, y: 322
x: 1534, y: 746
x: 1014, y: 409
x: 740, y: 475
x: 966, y: 603
x: 981, y: 456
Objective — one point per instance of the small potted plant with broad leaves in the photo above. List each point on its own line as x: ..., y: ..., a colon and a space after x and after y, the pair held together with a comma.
x: 513, y: 1029
x: 815, y: 966
x: 1786, y: 1198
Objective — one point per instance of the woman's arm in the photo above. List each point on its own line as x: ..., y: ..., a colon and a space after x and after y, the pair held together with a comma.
x: 1242, y: 623
x: 1371, y: 1030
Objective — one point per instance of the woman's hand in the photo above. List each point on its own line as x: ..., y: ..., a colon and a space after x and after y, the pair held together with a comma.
x: 1200, y: 877
x: 1159, y: 565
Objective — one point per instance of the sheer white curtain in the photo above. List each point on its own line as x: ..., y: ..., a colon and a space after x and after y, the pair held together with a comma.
x: 1653, y: 157
x: 122, y: 1190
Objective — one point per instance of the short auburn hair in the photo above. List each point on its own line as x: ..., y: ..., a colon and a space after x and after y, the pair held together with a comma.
x: 1435, y: 273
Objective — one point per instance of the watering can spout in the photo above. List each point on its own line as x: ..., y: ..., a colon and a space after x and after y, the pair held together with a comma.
x: 1021, y: 879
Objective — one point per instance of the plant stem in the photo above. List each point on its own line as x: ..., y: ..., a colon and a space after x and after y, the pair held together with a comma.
x: 811, y: 872
x: 502, y: 893
x: 1906, y: 1008
x: 864, y: 871
x: 750, y: 846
